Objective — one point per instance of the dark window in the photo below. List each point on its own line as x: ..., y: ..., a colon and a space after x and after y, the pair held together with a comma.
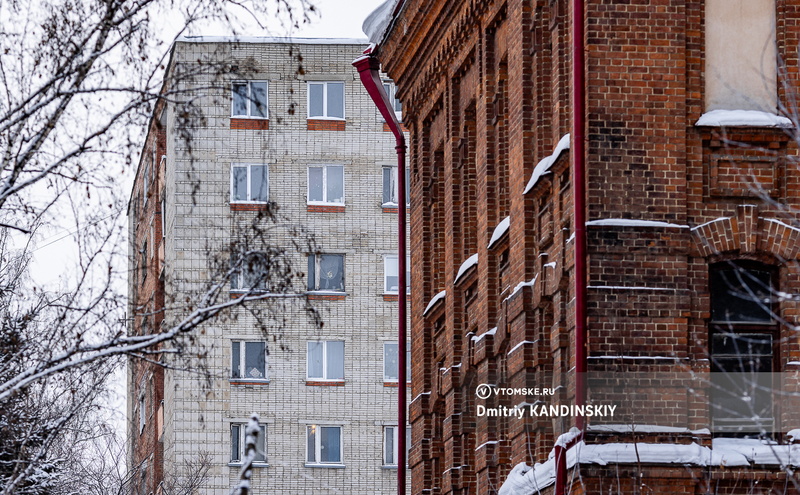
x: 743, y: 335
x: 326, y: 272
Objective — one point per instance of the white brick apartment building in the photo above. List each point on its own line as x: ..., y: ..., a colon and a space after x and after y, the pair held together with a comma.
x: 261, y: 133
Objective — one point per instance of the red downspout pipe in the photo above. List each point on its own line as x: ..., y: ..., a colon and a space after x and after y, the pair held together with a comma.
x: 369, y: 71
x: 578, y: 146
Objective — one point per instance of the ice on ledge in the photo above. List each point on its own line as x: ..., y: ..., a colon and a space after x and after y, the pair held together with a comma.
x: 742, y: 118
x: 478, y: 338
x: 376, y: 22
x: 499, y: 231
x: 544, y: 165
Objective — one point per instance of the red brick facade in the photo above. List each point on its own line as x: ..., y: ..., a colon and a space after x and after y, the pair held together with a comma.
x: 486, y: 94
x: 146, y: 379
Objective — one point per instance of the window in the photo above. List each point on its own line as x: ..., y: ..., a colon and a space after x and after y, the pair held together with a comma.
x: 239, y: 443
x: 250, y: 271
x: 390, y: 362
x: 740, y: 71
x: 390, y: 443
x: 325, y: 360
x: 743, y: 334
x: 326, y: 272
x: 326, y: 100
x: 249, y: 360
x: 143, y: 262
x: 250, y: 99
x: 323, y: 444
x: 390, y: 89
x: 391, y: 280
x: 142, y: 413
x: 390, y: 195
x: 249, y: 184
x: 326, y: 184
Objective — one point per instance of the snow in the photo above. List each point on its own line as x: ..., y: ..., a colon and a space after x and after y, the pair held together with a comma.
x: 466, y: 265
x: 571, y: 238
x: 499, y: 231
x: 433, y: 301
x: 552, y: 265
x: 543, y: 167
x: 478, y: 338
x: 375, y: 24
x: 796, y: 363
x: 272, y: 39
x: 670, y: 358
x: 710, y: 222
x: 567, y: 438
x: 775, y: 220
x: 524, y: 342
x: 627, y: 287
x: 756, y: 451
x: 490, y: 442
x: 646, y: 429
x: 628, y: 222
x: 417, y: 397
x: 794, y: 434
x: 521, y: 285
x: 749, y: 118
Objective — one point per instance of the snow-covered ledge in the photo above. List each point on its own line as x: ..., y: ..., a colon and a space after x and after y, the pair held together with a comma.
x: 499, y: 231
x: 466, y: 265
x: 543, y: 167
x: 438, y: 297
x: 742, y: 118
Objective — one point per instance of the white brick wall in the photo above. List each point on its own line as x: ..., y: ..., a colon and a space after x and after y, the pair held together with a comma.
x: 199, y: 410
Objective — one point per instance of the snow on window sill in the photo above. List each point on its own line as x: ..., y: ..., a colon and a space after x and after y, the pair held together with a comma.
x: 238, y: 464
x: 329, y: 466
x: 319, y: 117
x: 742, y: 118
x: 322, y: 382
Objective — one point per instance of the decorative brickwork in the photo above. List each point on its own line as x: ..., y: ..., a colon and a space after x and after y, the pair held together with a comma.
x: 486, y: 96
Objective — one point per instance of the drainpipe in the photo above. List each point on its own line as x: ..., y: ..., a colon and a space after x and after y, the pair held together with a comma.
x: 579, y: 202
x: 369, y: 71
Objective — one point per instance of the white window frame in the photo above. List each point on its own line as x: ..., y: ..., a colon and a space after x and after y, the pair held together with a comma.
x: 316, y: 282
x: 386, y: 377
x: 325, y: 167
x: 324, y: 377
x: 387, y: 259
x: 242, y: 432
x: 396, y: 185
x: 249, y: 167
x: 240, y: 275
x: 250, y: 103
x: 324, y: 85
x: 397, y: 106
x: 318, y: 462
x: 392, y: 463
x: 242, y: 361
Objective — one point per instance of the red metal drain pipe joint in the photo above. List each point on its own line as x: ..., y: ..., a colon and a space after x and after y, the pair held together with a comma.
x: 369, y: 70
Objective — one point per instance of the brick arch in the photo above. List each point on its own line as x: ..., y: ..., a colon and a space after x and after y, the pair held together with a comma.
x: 747, y: 233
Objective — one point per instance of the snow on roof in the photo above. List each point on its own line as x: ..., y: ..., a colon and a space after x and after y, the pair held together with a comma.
x: 466, y: 265
x: 742, y: 118
x: 499, y: 231
x: 544, y: 165
x: 756, y: 451
x: 375, y: 24
x: 272, y: 39
x: 628, y: 222
x: 433, y: 301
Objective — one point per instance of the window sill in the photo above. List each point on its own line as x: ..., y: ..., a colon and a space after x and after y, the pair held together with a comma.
x: 325, y: 124
x: 324, y: 383
x: 394, y: 384
x: 250, y: 123
x: 392, y: 207
x: 742, y: 118
x: 326, y: 296
x: 249, y: 206
x: 249, y: 381
x: 328, y: 466
x: 237, y: 293
x: 323, y: 208
x: 255, y: 464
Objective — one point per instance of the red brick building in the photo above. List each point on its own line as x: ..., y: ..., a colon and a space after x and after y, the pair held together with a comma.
x: 691, y: 197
